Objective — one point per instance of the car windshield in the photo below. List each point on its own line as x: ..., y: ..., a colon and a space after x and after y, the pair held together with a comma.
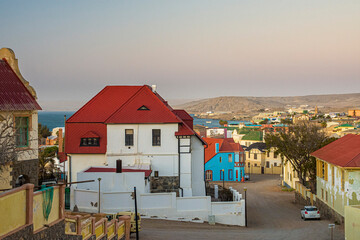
x: 311, y: 209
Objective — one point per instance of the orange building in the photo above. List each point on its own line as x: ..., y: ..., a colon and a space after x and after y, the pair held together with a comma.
x: 354, y: 112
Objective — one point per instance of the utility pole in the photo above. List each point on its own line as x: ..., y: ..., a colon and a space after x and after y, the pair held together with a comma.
x: 245, y: 189
x: 136, y: 216
x: 99, y: 179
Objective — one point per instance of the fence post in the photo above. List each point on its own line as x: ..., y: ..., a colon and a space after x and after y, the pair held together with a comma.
x: 62, y: 201
x: 29, y: 203
x: 126, y: 219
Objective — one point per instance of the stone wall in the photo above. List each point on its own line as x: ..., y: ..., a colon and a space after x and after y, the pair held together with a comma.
x: 55, y: 232
x: 24, y: 234
x: 26, y: 167
x: 164, y: 184
x: 325, y: 211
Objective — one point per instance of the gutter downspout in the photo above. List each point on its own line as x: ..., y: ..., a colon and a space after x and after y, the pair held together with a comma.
x: 182, y: 190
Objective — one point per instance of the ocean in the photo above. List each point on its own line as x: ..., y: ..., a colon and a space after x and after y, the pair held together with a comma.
x: 56, y: 119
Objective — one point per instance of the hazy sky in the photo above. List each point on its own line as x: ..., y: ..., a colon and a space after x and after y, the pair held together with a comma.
x: 69, y: 50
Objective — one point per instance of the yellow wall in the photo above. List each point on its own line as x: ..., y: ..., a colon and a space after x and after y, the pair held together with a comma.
x: 12, y: 211
x: 5, y: 177
x: 352, y: 222
x: 38, y: 217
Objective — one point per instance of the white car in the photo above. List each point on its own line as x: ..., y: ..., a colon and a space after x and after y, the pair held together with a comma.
x: 310, y: 212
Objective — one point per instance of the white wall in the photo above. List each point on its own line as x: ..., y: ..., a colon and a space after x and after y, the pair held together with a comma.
x: 197, y: 165
x: 165, y: 206
x: 163, y: 158
x: 81, y: 162
x: 113, y: 182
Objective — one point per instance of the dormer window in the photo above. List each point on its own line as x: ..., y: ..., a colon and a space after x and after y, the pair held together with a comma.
x: 143, y: 107
x: 90, y: 142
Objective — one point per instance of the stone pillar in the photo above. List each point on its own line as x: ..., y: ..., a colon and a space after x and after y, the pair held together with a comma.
x: 29, y: 203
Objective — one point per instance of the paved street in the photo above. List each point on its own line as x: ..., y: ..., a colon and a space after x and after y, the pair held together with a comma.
x: 271, y: 215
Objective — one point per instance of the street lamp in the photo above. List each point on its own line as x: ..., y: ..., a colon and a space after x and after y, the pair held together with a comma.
x: 245, y: 188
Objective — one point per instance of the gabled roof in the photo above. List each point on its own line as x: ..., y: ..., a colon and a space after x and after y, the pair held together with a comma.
x: 225, y: 145
x: 254, y: 136
x: 13, y: 93
x: 129, y: 112
x: 344, y: 152
x: 123, y: 104
x: 104, y: 104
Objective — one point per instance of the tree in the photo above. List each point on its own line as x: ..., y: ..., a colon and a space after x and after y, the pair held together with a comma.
x: 8, y: 153
x: 265, y: 121
x: 43, y: 132
x: 323, y: 124
x: 286, y: 121
x: 223, y: 122
x: 46, y: 162
x: 296, y: 144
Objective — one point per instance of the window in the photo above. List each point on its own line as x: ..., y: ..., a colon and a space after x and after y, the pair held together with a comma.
x: 248, y: 164
x: 230, y: 157
x: 275, y: 164
x: 255, y: 165
x: 222, y: 173
x: 322, y: 194
x: 230, y: 174
x: 22, y: 131
x: 268, y: 154
x: 90, y: 142
x: 156, y: 137
x: 326, y: 196
x: 208, y: 175
x: 267, y: 164
x: 156, y: 174
x: 143, y: 107
x: 275, y: 155
x: 220, y: 159
x: 332, y: 175
x: 129, y: 137
x: 255, y: 155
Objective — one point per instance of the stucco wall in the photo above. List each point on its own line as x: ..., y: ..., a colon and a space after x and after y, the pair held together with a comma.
x: 352, y: 222
x: 80, y: 162
x: 197, y: 164
x: 162, y: 158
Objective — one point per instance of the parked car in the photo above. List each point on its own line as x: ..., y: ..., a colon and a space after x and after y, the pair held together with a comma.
x: 310, y: 212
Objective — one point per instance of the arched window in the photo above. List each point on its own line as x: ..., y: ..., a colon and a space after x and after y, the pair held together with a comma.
x: 208, y: 175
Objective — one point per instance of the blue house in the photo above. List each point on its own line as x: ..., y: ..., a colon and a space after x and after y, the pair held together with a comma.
x: 224, y: 160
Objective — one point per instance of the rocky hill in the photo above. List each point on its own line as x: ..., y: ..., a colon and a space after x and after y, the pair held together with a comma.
x: 247, y: 105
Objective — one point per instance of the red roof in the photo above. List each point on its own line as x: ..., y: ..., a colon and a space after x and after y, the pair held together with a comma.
x: 344, y: 152
x: 76, y: 131
x: 107, y: 169
x: 157, y: 112
x: 225, y: 145
x: 104, y: 104
x: 13, y: 93
x: 90, y: 134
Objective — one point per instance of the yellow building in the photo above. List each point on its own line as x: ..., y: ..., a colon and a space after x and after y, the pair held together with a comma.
x: 338, y: 174
x: 354, y: 112
x: 18, y: 123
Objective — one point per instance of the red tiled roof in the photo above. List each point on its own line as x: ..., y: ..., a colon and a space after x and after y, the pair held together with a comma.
x: 75, y: 131
x: 104, y: 104
x: 225, y: 145
x: 13, y: 93
x: 107, y: 169
x: 344, y: 152
x: 158, y: 111
x: 90, y: 134
x: 183, y: 115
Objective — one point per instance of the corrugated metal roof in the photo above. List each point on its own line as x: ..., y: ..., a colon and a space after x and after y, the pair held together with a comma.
x: 344, y: 152
x: 13, y: 93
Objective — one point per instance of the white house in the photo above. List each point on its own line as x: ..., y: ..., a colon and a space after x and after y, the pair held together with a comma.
x: 135, y: 125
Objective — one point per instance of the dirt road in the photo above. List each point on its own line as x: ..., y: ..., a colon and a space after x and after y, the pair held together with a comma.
x: 271, y: 215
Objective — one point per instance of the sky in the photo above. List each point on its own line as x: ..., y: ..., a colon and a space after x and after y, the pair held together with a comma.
x: 70, y: 50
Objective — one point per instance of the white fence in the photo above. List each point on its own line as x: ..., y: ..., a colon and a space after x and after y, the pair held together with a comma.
x: 164, y: 206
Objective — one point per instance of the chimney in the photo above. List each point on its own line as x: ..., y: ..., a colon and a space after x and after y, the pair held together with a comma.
x: 60, y: 139
x: 119, y: 166
x: 153, y: 87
